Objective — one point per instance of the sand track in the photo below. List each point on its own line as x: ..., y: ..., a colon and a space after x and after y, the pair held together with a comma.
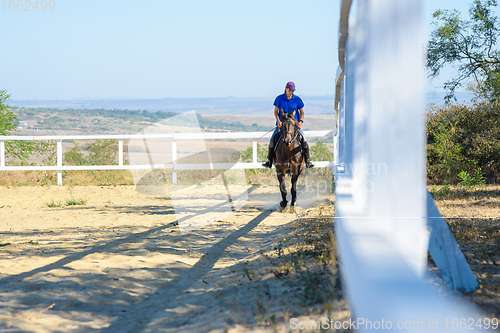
x: 121, y: 263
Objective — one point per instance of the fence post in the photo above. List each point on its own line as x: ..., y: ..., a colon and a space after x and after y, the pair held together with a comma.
x: 120, y: 152
x: 2, y: 153
x: 381, y: 206
x: 174, y: 162
x: 59, y: 162
x: 254, y: 151
x: 335, y: 150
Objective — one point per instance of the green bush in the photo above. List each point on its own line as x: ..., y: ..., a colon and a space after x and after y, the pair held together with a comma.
x: 468, y: 180
x: 465, y: 179
x: 443, y: 191
x: 463, y: 138
x: 75, y: 155
x: 247, y: 154
x: 321, y: 152
x: 99, y: 152
x: 444, y: 154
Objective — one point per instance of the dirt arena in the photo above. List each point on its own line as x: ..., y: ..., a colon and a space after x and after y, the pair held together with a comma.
x: 123, y: 263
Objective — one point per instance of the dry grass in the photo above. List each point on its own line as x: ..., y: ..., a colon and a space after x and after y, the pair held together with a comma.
x: 309, y: 251
x: 94, y: 177
x: 473, y: 215
x: 305, y: 259
x: 155, y: 177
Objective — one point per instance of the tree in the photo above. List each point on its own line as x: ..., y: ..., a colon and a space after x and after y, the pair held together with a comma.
x: 8, y: 120
x: 8, y: 123
x: 468, y: 45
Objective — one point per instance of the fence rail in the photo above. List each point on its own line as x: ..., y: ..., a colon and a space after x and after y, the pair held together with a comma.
x: 173, y: 137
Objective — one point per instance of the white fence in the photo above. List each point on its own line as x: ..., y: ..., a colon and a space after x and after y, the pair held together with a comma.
x: 384, y: 211
x: 173, y: 138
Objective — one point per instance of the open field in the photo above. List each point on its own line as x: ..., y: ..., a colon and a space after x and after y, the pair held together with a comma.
x: 122, y: 262
x: 72, y: 122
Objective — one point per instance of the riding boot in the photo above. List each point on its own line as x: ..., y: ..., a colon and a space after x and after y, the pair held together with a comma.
x: 270, y: 158
x: 306, y: 155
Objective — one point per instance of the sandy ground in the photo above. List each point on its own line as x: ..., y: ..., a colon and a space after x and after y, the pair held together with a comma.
x: 123, y: 263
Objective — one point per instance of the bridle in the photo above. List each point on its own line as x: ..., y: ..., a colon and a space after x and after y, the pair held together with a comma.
x: 284, y: 133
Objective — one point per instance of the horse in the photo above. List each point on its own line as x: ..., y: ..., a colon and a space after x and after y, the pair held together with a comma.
x: 289, y: 157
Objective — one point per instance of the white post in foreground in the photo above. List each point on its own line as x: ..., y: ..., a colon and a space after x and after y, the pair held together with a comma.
x: 59, y: 162
x: 381, y: 198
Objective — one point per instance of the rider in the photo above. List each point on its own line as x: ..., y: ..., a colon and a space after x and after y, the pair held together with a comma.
x: 288, y: 102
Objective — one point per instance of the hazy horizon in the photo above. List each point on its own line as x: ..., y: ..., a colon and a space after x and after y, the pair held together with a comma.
x: 209, y: 105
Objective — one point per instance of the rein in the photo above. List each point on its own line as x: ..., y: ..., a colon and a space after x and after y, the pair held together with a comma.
x: 265, y: 133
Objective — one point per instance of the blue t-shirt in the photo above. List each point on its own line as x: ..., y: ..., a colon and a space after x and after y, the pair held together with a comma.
x: 288, y: 105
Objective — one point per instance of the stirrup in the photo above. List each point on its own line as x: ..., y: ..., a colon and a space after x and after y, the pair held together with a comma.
x: 309, y: 165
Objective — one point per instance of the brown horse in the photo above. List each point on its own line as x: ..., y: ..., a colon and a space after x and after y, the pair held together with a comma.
x: 289, y: 157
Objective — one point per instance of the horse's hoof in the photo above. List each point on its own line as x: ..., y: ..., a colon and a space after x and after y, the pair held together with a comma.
x: 283, y: 204
x: 292, y: 204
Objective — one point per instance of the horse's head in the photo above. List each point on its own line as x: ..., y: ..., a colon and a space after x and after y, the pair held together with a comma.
x: 288, y: 127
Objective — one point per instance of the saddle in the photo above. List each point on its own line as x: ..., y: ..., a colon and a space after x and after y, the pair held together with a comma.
x: 278, y: 136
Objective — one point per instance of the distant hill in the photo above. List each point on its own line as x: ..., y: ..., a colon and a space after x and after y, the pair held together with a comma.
x: 438, y: 97
x: 69, y: 121
x: 315, y: 105
x: 229, y: 105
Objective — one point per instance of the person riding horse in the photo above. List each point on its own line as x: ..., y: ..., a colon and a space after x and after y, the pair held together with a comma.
x: 288, y: 102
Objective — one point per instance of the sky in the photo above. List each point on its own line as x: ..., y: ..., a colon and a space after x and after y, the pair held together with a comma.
x: 125, y: 49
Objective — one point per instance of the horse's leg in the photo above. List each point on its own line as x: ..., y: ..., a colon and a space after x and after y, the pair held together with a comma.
x: 281, y: 179
x: 294, y: 189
